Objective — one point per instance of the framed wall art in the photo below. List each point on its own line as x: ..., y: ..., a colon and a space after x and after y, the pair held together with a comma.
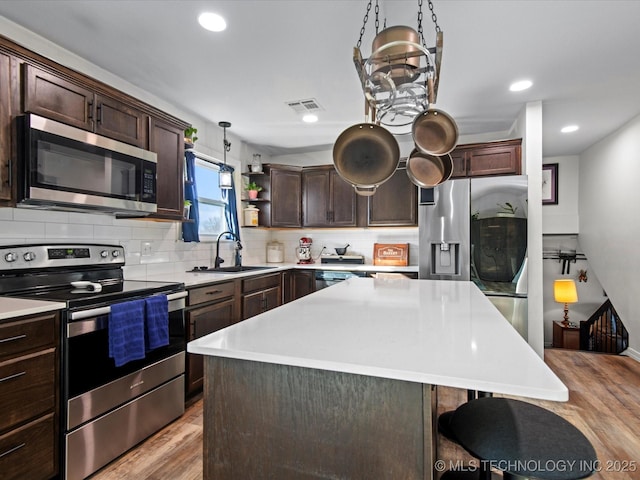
x: 550, y: 184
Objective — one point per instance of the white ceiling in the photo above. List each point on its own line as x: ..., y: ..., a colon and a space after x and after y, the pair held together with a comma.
x: 581, y: 56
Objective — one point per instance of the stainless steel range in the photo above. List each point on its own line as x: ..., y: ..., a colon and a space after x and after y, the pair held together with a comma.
x: 106, y: 409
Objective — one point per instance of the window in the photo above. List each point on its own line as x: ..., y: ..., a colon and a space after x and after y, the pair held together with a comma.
x: 211, y: 203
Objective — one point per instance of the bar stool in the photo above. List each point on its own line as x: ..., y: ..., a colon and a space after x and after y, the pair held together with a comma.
x: 522, y: 440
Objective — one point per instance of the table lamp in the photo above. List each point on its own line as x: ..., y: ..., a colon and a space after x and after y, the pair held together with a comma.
x: 564, y: 291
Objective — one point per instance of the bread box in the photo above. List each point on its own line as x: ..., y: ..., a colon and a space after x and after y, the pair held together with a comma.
x: 395, y: 254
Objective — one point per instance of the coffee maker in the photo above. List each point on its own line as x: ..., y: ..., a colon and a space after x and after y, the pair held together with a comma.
x: 303, y: 251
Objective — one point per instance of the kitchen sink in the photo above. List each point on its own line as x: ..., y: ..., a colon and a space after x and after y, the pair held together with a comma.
x: 235, y: 269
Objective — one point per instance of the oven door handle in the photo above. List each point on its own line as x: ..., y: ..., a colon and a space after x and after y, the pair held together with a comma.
x: 96, y: 312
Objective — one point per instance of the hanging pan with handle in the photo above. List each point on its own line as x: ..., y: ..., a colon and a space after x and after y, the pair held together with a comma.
x: 434, y: 132
x: 426, y: 170
x: 366, y: 155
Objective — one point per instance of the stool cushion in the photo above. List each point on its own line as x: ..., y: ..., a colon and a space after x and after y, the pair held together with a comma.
x: 523, y: 439
x: 444, y: 421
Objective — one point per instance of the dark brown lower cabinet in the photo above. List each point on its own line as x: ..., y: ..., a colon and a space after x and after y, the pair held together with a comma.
x: 211, y: 308
x: 259, y: 302
x: 29, y: 386
x: 260, y: 294
x: 297, y: 284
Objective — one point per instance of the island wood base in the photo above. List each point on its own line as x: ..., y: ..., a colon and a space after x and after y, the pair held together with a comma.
x: 269, y: 421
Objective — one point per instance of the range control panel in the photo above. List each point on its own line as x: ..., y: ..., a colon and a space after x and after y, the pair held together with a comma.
x: 14, y: 257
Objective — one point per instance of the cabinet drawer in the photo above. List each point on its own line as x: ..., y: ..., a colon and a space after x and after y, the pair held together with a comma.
x: 211, y: 293
x: 27, y: 387
x: 27, y: 335
x: 262, y: 282
x: 28, y: 451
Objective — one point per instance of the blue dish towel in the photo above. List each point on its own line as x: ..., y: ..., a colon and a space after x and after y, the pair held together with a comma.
x: 126, y: 332
x: 157, y: 321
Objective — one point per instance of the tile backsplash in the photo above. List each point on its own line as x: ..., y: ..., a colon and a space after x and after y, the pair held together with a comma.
x: 155, y: 248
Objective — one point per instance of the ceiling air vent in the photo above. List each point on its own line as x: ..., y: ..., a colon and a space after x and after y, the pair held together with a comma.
x: 304, y: 106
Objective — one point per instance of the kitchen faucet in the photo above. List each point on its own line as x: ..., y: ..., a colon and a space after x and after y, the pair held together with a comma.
x: 238, y: 247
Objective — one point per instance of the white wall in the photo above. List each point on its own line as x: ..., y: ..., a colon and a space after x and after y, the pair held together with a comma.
x: 563, y: 217
x: 609, y: 224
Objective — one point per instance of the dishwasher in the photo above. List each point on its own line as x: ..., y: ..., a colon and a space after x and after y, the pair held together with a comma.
x: 326, y: 278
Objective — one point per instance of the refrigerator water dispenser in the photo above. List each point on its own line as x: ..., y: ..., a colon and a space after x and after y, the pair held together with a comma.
x: 445, y: 259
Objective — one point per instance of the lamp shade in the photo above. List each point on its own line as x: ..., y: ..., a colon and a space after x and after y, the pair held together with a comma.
x: 224, y: 177
x: 564, y: 291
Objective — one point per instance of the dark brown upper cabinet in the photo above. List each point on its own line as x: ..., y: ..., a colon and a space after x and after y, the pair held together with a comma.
x: 5, y: 127
x: 55, y: 97
x: 327, y: 200
x: 282, y: 187
x: 395, y: 202
x: 167, y: 141
x: 486, y: 159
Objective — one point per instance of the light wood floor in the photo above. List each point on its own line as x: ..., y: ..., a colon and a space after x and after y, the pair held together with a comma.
x: 604, y: 403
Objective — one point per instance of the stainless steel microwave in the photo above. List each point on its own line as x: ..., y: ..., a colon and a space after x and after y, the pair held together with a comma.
x: 65, y: 168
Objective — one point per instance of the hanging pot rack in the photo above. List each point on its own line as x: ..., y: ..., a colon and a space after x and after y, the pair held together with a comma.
x: 395, y: 102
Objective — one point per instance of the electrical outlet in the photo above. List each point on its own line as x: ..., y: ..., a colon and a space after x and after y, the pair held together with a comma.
x: 147, y: 248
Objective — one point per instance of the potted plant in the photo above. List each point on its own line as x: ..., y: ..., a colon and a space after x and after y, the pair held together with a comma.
x: 253, y: 188
x: 190, y: 135
x: 507, y: 210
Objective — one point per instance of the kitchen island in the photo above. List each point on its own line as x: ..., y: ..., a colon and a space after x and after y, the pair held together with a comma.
x: 342, y: 383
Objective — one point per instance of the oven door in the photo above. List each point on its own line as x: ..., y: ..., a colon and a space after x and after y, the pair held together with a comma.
x: 69, y: 168
x: 93, y: 384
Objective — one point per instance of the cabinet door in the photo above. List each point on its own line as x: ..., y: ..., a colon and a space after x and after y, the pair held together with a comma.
x: 252, y: 304
x: 395, y: 203
x: 272, y: 298
x: 119, y: 121
x: 167, y: 141
x: 494, y: 160
x: 343, y: 202
x: 315, y: 198
x: 286, y: 205
x: 5, y: 126
x: 298, y: 284
x: 459, y: 157
x: 56, y: 98
x: 202, y: 321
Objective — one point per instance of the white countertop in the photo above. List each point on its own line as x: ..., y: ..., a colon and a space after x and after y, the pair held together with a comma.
x: 18, y: 307
x: 191, y: 279
x: 427, y: 331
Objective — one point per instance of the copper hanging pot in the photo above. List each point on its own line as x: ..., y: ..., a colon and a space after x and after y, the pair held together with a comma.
x: 366, y: 155
x: 395, y: 59
x: 426, y: 170
x: 434, y: 132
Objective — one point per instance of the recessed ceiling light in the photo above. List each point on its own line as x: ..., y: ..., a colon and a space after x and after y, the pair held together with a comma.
x: 310, y: 118
x: 212, y: 21
x: 569, y: 128
x: 521, y: 85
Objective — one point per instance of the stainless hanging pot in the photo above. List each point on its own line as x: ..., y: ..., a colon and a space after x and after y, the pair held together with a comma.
x: 426, y: 170
x: 366, y: 155
x: 434, y: 132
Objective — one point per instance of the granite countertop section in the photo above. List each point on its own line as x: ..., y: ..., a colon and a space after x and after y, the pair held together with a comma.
x: 18, y: 307
x: 426, y: 331
x: 191, y: 279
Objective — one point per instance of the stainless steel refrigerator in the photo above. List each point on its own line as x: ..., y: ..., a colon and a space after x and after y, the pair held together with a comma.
x: 476, y: 229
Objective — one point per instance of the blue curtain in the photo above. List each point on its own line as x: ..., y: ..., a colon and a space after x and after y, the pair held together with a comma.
x: 190, y: 230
